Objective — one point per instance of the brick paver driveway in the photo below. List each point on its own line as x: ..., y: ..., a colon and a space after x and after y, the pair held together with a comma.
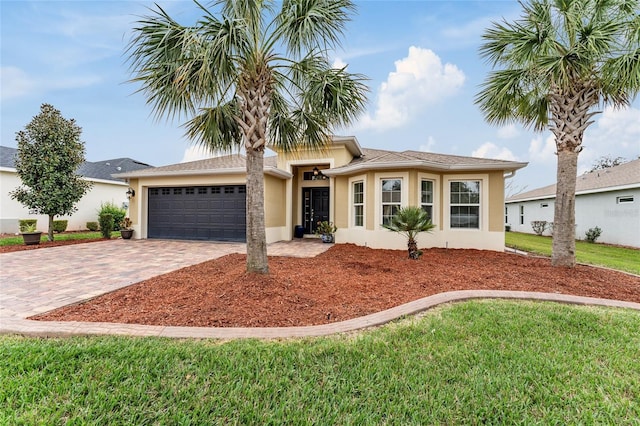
x: 36, y: 281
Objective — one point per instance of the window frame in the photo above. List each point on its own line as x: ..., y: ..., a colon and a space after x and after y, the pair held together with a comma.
x: 404, y: 191
x: 355, y: 204
x: 436, y: 205
x: 483, y: 210
x: 521, y: 213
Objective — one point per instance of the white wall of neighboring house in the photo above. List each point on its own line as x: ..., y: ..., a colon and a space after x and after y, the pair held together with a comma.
x: 102, y: 191
x: 611, y: 211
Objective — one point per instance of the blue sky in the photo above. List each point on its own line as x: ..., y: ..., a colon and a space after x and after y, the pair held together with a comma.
x: 421, y: 57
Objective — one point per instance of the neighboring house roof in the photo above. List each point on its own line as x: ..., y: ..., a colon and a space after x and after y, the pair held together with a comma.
x: 228, y: 164
x: 382, y: 159
x: 93, y: 170
x: 624, y: 176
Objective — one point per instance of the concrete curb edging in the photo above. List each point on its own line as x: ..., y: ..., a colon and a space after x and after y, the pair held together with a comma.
x: 12, y: 325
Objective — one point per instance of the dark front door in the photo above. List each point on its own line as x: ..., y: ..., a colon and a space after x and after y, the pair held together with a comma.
x: 315, y: 208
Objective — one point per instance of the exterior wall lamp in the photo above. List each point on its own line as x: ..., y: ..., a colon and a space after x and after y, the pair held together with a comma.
x: 131, y: 193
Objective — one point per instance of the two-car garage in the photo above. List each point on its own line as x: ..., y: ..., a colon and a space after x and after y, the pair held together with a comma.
x: 216, y: 213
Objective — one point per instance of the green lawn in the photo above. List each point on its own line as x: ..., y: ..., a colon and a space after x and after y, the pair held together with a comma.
x: 621, y: 258
x: 480, y: 362
x: 17, y: 239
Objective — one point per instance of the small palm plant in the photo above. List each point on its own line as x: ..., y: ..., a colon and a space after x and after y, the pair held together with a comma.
x: 410, y: 221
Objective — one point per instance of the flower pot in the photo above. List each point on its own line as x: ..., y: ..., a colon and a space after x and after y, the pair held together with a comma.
x: 126, y: 234
x: 327, y: 238
x: 31, y: 238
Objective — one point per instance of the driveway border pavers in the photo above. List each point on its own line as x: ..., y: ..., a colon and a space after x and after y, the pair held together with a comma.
x: 44, y: 290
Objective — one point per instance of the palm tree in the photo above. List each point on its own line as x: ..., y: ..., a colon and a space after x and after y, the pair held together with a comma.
x: 410, y: 221
x: 247, y: 75
x: 558, y: 63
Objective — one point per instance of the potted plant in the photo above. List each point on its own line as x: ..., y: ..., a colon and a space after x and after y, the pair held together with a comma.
x: 30, y: 235
x: 326, y: 230
x: 125, y: 229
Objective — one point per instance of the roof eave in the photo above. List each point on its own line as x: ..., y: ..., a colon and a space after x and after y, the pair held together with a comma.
x: 422, y: 164
x: 273, y: 171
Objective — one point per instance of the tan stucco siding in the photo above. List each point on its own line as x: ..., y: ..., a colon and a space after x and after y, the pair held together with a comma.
x: 336, y: 156
x: 133, y: 202
x: 341, y: 202
x: 275, y: 202
x: 496, y: 201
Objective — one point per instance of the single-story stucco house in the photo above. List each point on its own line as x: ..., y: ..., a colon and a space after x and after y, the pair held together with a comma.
x: 105, y: 188
x: 356, y: 188
x: 607, y: 198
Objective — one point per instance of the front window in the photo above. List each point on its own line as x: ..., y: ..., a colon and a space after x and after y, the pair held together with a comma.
x: 358, y: 204
x: 465, y: 204
x: 391, y: 199
x: 426, y: 197
x: 521, y: 215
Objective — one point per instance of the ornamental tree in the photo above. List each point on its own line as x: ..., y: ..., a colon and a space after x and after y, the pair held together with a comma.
x: 49, y: 154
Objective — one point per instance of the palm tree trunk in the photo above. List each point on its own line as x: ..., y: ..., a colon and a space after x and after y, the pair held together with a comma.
x: 413, y: 248
x: 564, y: 243
x: 256, y: 236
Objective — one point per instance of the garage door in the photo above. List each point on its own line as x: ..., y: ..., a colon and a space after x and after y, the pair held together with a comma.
x: 198, y: 213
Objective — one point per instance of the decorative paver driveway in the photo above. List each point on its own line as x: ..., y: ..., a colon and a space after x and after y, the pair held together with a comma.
x: 36, y: 281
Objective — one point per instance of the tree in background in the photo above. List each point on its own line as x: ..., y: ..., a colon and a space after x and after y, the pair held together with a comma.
x: 49, y: 154
x: 248, y: 74
x: 606, y: 162
x: 559, y: 62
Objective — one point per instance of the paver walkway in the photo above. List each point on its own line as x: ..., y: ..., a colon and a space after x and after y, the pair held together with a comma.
x: 37, y: 281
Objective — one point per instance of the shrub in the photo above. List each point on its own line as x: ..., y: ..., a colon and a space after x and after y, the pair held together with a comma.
x: 507, y: 228
x: 539, y: 226
x: 550, y: 228
x: 92, y: 226
x: 117, y: 213
x: 27, y: 224
x: 60, y: 225
x: 106, y: 224
x: 592, y: 234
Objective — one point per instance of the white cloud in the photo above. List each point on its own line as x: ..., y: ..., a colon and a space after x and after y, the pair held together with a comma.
x: 338, y: 63
x: 15, y: 82
x: 508, y: 132
x: 491, y: 150
x: 419, y: 80
x: 195, y: 153
x: 542, y: 150
x: 428, y: 147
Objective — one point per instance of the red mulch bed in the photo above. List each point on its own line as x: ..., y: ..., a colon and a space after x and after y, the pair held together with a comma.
x: 45, y: 244
x: 345, y: 282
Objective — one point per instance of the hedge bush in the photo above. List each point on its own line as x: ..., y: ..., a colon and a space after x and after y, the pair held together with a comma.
x: 106, y: 224
x: 117, y: 213
x: 60, y: 225
x: 92, y: 226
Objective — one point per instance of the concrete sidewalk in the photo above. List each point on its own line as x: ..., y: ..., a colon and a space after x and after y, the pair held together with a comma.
x: 40, y: 280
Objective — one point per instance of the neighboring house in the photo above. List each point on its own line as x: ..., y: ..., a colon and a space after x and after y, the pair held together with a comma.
x: 357, y: 189
x: 607, y: 198
x: 105, y: 188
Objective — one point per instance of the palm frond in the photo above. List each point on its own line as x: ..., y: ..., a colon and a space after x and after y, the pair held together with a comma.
x: 216, y: 128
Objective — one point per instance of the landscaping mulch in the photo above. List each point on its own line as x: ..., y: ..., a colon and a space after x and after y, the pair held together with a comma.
x: 46, y: 244
x: 347, y: 281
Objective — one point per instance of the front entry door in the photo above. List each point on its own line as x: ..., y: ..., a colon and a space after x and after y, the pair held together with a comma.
x: 315, y: 208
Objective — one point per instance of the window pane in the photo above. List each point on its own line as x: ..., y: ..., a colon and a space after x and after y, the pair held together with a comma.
x: 358, y: 215
x: 386, y: 197
x: 429, y: 210
x: 396, y: 197
x: 465, y: 217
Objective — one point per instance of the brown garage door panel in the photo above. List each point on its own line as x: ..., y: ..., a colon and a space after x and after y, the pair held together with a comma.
x: 198, y: 213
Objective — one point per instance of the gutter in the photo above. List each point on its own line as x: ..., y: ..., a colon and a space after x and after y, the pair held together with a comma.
x: 420, y: 164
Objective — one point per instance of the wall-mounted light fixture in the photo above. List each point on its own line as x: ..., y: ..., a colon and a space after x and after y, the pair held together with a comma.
x: 316, y: 171
x: 131, y: 193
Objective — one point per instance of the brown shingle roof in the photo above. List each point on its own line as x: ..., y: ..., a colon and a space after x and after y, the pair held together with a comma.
x: 627, y: 174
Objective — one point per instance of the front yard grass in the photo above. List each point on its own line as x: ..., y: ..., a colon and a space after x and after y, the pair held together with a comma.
x: 620, y: 258
x: 17, y: 239
x: 479, y: 362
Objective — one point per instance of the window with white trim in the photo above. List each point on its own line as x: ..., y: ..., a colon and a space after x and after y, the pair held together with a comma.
x: 426, y: 197
x: 358, y: 203
x: 521, y: 215
x: 464, y: 204
x: 391, y: 198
